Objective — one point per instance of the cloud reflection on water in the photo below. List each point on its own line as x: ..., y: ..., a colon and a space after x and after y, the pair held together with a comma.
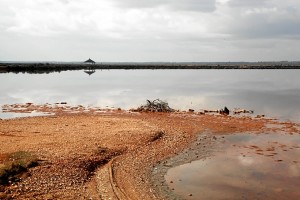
x: 271, y: 92
x: 239, y: 172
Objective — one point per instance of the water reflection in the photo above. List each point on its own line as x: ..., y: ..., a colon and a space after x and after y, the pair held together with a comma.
x: 90, y: 70
x: 10, y: 115
x: 271, y: 92
x: 248, y: 167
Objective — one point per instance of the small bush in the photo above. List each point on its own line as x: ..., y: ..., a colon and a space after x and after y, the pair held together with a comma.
x: 13, y: 165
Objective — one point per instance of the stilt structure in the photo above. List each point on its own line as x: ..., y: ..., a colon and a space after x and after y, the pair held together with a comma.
x: 90, y: 69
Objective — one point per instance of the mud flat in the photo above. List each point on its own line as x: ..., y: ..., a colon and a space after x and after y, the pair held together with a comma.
x: 114, y: 154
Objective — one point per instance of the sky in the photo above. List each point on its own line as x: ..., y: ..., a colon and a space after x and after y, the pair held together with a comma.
x: 150, y: 30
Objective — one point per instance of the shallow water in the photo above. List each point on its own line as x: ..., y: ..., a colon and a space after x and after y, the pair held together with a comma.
x: 275, y: 93
x: 246, y: 167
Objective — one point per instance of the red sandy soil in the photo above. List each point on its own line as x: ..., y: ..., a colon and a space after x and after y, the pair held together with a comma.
x: 112, y: 154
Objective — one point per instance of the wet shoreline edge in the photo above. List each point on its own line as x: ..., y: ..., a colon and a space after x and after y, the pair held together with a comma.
x: 202, y: 148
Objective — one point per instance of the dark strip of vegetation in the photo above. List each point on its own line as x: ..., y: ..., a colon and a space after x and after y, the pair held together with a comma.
x: 13, y: 165
x: 37, y: 68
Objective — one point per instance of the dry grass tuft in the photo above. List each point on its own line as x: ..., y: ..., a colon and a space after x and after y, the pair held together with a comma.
x: 13, y: 165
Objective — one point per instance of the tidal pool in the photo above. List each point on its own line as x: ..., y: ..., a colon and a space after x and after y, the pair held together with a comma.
x: 247, y: 166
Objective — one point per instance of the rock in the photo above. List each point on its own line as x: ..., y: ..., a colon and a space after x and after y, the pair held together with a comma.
x: 191, y: 110
x: 226, y: 110
x: 3, y: 195
x: 239, y: 110
x: 2, y: 189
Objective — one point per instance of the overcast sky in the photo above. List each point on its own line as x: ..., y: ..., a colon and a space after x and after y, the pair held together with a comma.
x: 149, y: 30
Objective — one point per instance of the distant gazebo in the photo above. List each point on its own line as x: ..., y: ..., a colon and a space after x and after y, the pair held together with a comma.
x: 90, y: 70
x: 90, y: 61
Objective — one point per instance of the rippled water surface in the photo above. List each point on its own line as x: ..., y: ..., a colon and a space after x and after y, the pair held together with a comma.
x: 275, y: 93
x: 265, y: 167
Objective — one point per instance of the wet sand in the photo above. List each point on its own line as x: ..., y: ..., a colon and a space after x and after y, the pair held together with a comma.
x: 115, y: 154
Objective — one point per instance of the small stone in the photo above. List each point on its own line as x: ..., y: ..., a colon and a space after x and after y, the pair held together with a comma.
x: 3, y: 195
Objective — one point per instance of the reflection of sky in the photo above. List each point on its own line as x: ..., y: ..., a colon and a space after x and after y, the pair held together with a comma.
x: 16, y: 115
x: 239, y: 172
x: 270, y: 92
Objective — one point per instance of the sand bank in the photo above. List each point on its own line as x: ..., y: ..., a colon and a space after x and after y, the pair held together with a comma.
x: 115, y: 154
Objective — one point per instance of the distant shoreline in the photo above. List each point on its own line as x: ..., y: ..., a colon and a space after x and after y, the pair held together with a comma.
x: 49, y: 67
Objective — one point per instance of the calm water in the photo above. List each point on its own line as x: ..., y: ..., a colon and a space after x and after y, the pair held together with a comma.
x: 248, y: 167
x: 275, y: 93
x: 240, y: 173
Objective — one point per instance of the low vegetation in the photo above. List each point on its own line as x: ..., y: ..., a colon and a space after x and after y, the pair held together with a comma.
x: 41, y: 68
x: 14, y: 165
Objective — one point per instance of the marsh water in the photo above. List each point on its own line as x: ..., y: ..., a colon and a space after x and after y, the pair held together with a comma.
x: 246, y: 166
x: 275, y: 93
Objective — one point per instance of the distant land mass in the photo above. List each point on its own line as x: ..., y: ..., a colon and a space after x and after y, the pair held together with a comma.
x: 48, y: 67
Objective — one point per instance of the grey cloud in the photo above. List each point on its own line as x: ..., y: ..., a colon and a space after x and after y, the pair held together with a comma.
x: 261, y: 26
x: 248, y: 3
x: 257, y: 19
x: 153, y: 30
x: 64, y: 1
x: 139, y: 3
x: 284, y: 28
x: 292, y: 10
x: 178, y: 5
x: 195, y: 5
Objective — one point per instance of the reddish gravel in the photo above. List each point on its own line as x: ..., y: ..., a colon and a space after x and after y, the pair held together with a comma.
x: 110, y: 154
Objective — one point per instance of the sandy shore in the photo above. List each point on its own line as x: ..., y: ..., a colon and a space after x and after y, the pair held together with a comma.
x: 115, y: 154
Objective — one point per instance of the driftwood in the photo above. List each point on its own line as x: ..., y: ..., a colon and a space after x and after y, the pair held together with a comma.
x: 155, y: 106
x: 224, y: 111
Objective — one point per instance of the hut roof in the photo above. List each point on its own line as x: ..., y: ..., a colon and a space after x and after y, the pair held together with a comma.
x: 90, y: 61
x: 89, y: 72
